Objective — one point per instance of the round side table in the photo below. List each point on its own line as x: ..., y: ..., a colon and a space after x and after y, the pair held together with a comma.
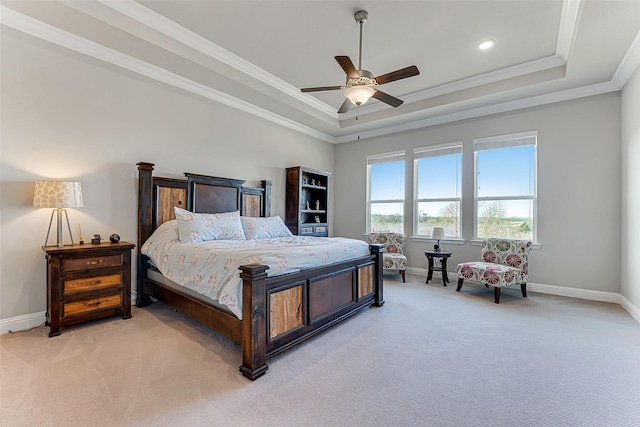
x: 442, y: 256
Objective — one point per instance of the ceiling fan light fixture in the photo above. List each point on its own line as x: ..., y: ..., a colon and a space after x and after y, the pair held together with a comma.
x: 360, y: 84
x: 359, y: 95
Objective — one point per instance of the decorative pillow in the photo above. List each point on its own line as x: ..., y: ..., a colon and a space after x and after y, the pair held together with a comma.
x: 199, y: 227
x: 264, y: 228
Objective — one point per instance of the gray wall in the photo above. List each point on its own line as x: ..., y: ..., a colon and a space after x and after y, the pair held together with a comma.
x: 65, y: 116
x: 68, y: 117
x: 630, y: 285
x: 579, y: 161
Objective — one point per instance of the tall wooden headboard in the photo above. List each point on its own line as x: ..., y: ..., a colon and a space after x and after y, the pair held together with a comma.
x: 197, y: 193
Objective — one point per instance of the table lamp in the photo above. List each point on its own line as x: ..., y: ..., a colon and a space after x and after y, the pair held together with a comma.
x: 58, y: 195
x: 437, y: 235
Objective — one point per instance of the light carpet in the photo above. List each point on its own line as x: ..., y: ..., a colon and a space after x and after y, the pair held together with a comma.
x: 430, y: 357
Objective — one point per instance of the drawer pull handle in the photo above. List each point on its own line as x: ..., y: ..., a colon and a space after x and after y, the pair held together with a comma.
x: 93, y: 304
x: 95, y: 282
x: 94, y: 262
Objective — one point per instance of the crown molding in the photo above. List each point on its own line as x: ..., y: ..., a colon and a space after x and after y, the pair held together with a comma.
x: 534, y: 101
x: 570, y: 13
x: 468, y: 83
x: 171, y: 29
x: 569, y: 18
x: 38, y: 29
x: 630, y: 62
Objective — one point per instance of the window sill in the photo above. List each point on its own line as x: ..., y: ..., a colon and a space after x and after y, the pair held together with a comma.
x: 449, y: 241
x: 478, y: 242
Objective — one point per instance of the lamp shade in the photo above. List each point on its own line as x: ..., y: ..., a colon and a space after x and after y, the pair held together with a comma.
x: 57, y: 194
x: 438, y: 233
x: 358, y: 95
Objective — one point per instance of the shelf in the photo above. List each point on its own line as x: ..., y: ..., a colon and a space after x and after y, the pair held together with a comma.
x: 315, y: 187
x: 307, y: 204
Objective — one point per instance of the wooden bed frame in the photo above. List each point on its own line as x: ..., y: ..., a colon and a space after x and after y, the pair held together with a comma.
x: 277, y: 312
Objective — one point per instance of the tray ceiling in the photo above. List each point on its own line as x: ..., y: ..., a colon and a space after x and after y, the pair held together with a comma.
x: 256, y: 55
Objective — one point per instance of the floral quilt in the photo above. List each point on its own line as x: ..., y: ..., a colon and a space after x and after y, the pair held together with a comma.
x: 211, y: 267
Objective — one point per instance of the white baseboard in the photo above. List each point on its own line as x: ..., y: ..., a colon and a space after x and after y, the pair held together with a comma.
x: 564, y: 291
x: 20, y: 323
x: 631, y: 309
x: 28, y: 321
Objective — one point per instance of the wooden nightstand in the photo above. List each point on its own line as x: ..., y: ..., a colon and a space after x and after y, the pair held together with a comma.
x: 86, y: 282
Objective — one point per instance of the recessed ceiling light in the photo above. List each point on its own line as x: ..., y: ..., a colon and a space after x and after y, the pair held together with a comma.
x: 487, y: 44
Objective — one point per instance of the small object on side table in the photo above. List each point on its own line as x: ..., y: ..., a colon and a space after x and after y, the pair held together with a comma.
x: 442, y: 256
x: 86, y: 282
x: 79, y: 229
x: 437, y: 234
x: 96, y: 239
x: 114, y: 238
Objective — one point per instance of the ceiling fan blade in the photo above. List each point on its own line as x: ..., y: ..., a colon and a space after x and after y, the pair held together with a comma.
x: 397, y: 75
x: 387, y: 99
x: 346, y: 106
x: 347, y: 66
x: 318, y: 89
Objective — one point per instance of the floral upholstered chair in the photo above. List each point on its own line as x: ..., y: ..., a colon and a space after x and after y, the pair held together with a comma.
x: 392, y: 258
x: 504, y: 262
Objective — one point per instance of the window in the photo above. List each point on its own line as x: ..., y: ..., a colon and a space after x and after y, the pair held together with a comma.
x: 438, y: 187
x: 505, y: 190
x: 385, y: 196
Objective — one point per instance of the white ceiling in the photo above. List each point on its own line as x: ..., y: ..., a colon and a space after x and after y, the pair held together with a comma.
x: 256, y: 55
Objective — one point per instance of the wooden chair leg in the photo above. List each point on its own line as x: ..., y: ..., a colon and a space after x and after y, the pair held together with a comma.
x: 496, y: 294
x: 403, y: 279
x: 523, y: 287
x: 460, y: 280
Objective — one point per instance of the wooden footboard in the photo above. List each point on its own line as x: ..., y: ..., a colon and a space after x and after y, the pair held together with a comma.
x: 282, y: 311
x: 277, y: 312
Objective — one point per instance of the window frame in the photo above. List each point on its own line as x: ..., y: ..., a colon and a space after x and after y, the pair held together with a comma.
x: 514, y: 140
x: 445, y: 149
x: 390, y: 157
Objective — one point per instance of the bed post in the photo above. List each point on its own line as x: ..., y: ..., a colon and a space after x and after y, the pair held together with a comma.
x: 266, y: 199
x: 145, y: 226
x: 254, y: 321
x: 378, y: 298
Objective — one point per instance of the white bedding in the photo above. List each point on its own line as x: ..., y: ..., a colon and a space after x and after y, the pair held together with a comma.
x: 211, y: 267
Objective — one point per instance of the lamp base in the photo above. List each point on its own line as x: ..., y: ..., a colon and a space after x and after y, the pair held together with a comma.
x: 436, y: 248
x: 59, y: 239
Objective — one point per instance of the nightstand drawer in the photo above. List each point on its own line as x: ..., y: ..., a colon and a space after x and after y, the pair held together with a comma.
x: 92, y: 304
x: 91, y: 283
x: 306, y: 229
x: 321, y: 229
x: 91, y: 262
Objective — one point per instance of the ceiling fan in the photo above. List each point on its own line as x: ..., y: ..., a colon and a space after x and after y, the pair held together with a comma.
x: 361, y: 84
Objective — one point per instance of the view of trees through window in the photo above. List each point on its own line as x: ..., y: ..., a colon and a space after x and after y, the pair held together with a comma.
x: 387, y: 223
x: 447, y: 217
x: 386, y: 189
x: 505, y: 193
x: 494, y: 220
x: 505, y: 187
x: 438, y: 195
